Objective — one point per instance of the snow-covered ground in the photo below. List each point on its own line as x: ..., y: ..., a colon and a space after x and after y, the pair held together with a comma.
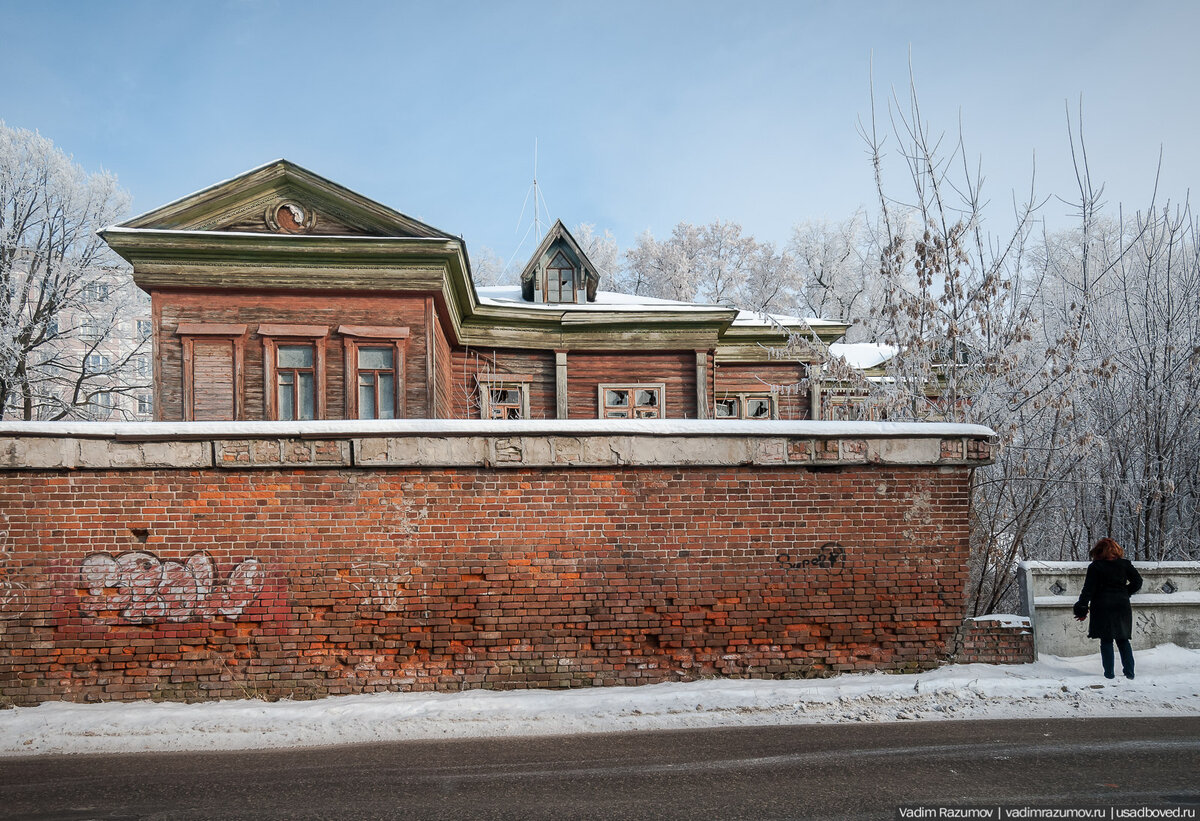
x: 1167, y: 683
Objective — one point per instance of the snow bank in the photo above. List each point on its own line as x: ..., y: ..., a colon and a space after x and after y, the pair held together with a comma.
x: 1053, y: 687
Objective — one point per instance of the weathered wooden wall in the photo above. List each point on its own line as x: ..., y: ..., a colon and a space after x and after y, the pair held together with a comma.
x: 587, y: 370
x: 253, y: 309
x: 760, y: 377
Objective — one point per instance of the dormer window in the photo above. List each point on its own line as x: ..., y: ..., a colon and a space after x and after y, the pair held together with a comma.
x: 560, y: 279
x: 559, y: 272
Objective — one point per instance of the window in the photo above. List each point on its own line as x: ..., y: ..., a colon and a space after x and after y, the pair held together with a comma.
x: 294, y: 370
x: 504, y: 396
x: 560, y: 279
x: 98, y: 363
x: 376, y: 382
x: 295, y: 382
x: 144, y: 328
x: 213, y: 354
x: 141, y: 367
x: 145, y: 404
x: 96, y: 291
x: 101, y: 405
x: 374, y: 371
x: 631, y: 401
x: 745, y: 406
x: 90, y: 330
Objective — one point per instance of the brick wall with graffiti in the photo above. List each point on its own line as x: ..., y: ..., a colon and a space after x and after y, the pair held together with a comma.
x: 279, y: 582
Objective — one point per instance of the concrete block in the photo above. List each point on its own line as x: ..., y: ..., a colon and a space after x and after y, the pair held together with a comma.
x: 36, y: 452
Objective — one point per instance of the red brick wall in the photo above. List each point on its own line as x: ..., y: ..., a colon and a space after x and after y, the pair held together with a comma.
x: 353, y: 580
x: 993, y: 642
x: 330, y: 310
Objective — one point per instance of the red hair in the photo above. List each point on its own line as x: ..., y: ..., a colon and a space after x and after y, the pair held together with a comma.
x: 1106, y: 549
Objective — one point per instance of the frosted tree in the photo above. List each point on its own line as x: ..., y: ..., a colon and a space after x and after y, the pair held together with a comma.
x: 488, y: 269
x: 976, y: 341
x: 601, y: 249
x: 59, y: 285
x: 770, y: 281
x: 837, y: 271
x: 723, y: 257
x: 1140, y: 412
x: 668, y: 269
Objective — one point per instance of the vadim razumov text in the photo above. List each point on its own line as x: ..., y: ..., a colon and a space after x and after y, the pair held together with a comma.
x: 996, y: 813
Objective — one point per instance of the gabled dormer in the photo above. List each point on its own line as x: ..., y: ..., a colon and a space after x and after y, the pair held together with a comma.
x: 559, y: 271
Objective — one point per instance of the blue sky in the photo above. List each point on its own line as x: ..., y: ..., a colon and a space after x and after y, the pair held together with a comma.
x: 646, y: 113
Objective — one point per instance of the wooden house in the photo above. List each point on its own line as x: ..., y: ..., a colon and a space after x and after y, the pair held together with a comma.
x: 282, y: 295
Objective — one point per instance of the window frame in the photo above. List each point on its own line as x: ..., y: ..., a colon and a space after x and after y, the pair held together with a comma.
x: 96, y: 291
x: 97, y: 364
x: 102, y: 404
x: 275, y: 337
x: 574, y: 269
x: 235, y: 335
x: 741, y: 397
x: 91, y: 329
x: 374, y: 336
x: 603, y: 407
x: 506, y: 381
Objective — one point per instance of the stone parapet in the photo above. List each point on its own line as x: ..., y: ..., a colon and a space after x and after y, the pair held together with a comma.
x: 1166, y: 609
x: 459, y: 443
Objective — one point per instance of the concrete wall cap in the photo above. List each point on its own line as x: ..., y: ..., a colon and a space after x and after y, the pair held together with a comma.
x: 341, y: 428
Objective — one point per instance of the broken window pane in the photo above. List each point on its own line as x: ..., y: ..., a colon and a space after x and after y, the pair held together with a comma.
x: 758, y: 408
x: 647, y: 399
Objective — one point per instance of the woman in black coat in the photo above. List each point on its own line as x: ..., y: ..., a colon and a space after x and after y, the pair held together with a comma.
x: 1111, y: 580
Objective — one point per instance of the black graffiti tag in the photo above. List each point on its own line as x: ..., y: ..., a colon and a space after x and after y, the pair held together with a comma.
x: 830, y: 555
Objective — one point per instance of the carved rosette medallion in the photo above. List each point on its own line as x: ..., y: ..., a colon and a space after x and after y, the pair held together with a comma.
x: 289, y: 217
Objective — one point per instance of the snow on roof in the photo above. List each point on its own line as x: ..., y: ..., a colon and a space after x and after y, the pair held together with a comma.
x: 762, y: 320
x: 863, y: 355
x: 509, y: 296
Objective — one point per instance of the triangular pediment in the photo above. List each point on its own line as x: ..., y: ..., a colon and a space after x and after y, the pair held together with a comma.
x: 282, y: 198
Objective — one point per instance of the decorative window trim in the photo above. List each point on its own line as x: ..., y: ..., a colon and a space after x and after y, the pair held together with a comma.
x: 373, y: 336
x: 274, y: 336
x: 506, y: 381
x: 742, y: 397
x: 660, y: 387
x: 188, y: 332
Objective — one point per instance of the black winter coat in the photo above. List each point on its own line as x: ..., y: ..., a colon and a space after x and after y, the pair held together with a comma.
x: 1108, y: 586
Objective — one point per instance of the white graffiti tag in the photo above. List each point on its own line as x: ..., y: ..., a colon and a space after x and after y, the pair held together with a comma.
x: 145, y: 589
x: 13, y: 595
x: 380, y: 585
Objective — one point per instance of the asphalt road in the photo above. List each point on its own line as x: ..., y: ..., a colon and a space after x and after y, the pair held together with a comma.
x: 829, y: 771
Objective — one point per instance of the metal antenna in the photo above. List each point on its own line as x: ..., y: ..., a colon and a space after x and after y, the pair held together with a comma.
x: 537, y: 222
x: 539, y: 206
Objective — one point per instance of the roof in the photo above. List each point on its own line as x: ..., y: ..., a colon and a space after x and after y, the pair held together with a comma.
x: 863, y: 355
x: 249, y: 194
x: 510, y: 296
